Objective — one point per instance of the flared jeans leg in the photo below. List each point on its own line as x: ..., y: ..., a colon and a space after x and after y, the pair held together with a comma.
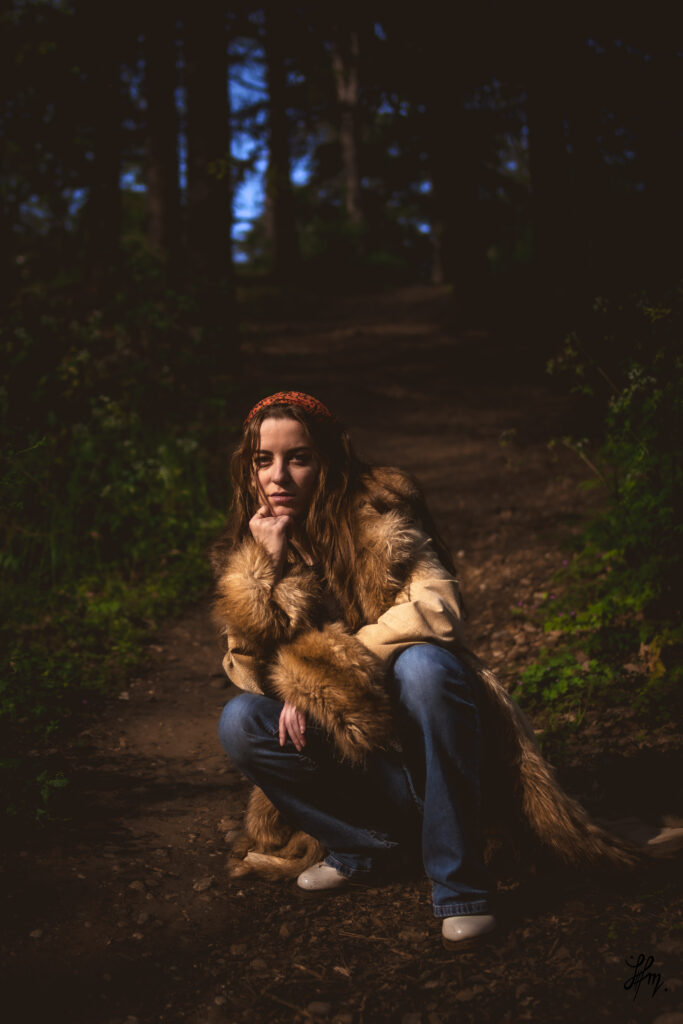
x: 359, y: 814
x: 362, y: 815
x: 440, y: 728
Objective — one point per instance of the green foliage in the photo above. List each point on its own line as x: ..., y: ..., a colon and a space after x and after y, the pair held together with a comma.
x: 108, y: 499
x: 336, y: 256
x: 30, y: 790
x: 620, y: 608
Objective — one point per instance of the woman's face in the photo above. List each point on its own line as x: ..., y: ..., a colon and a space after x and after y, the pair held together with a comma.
x: 286, y: 467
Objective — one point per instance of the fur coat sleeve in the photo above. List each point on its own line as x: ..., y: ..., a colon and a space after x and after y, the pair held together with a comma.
x: 256, y: 613
x: 280, y: 644
x: 259, y: 609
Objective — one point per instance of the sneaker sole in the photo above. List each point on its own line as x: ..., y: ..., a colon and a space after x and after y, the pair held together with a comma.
x: 463, y: 945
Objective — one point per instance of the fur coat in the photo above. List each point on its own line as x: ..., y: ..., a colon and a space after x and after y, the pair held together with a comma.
x: 288, y: 639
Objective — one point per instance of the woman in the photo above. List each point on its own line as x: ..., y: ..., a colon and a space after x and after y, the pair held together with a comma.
x: 366, y: 724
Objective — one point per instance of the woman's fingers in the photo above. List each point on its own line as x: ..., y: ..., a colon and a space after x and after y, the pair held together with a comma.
x: 293, y: 727
x: 300, y: 722
x: 271, y: 531
x: 283, y: 729
x: 293, y: 724
x: 261, y: 513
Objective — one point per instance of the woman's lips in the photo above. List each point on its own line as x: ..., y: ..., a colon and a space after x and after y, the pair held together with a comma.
x: 281, y: 498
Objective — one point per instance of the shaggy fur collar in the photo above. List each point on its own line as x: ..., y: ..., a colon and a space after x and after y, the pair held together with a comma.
x: 387, y: 544
x: 309, y: 655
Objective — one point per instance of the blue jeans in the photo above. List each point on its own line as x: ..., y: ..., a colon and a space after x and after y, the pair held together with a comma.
x: 363, y: 815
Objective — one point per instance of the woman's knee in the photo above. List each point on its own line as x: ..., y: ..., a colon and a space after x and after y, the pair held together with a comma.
x: 426, y: 675
x: 241, y: 724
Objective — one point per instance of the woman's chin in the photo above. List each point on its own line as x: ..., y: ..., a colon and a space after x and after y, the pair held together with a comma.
x: 285, y: 510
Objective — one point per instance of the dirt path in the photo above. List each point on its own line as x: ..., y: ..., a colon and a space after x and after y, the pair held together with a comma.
x: 128, y: 915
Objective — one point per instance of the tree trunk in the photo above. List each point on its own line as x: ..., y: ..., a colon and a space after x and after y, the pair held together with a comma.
x: 163, y: 193
x: 102, y: 29
x: 346, y: 67
x: 458, y: 257
x: 209, y: 189
x: 658, y: 145
x: 586, y: 227
x: 280, y: 216
x: 438, y: 273
x: 208, y: 142
x: 551, y: 187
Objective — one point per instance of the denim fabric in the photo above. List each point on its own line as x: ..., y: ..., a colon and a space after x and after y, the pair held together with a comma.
x: 364, y: 815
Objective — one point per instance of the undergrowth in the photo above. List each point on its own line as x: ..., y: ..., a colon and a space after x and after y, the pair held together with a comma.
x: 111, y: 486
x: 616, y: 611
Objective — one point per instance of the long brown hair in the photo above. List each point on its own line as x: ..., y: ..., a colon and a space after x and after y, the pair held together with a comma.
x: 328, y: 524
x: 329, y: 521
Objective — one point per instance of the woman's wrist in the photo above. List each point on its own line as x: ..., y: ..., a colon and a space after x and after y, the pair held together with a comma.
x: 279, y: 565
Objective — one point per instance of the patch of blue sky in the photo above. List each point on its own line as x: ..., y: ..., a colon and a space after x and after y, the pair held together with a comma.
x: 129, y: 180
x: 247, y: 86
x: 301, y: 170
x: 76, y: 198
x: 400, y: 107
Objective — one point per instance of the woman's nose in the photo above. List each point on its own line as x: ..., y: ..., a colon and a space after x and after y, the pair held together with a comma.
x: 280, y: 471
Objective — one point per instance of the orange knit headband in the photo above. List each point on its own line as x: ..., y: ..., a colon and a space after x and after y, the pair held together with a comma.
x: 304, y: 401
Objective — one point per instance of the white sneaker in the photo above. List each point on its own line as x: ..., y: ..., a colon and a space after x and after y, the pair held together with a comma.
x: 460, y: 932
x: 320, y: 876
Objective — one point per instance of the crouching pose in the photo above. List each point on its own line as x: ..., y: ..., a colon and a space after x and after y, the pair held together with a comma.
x: 366, y: 725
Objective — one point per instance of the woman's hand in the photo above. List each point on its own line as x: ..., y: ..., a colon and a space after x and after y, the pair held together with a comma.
x: 272, y: 531
x: 292, y: 724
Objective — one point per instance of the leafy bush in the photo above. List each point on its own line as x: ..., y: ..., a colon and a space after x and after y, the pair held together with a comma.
x: 620, y: 610
x: 108, y: 499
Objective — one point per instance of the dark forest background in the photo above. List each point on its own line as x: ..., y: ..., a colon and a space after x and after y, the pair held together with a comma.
x: 525, y: 156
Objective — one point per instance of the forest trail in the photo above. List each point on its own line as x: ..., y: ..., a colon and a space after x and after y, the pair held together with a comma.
x: 128, y: 916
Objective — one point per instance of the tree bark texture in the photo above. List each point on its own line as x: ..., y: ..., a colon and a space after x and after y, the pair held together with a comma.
x: 346, y: 68
x: 454, y: 158
x: 280, y: 214
x: 552, y: 191
x: 208, y: 142
x: 659, y: 144
x: 209, y: 182
x: 161, y: 79
x: 103, y: 27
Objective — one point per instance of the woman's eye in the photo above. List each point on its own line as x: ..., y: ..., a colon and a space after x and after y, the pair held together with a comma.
x: 261, y: 460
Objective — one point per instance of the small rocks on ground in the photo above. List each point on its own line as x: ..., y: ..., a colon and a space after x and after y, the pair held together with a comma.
x: 202, y: 884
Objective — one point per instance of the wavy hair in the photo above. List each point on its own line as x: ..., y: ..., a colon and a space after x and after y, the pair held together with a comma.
x: 328, y: 526
x: 328, y: 523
